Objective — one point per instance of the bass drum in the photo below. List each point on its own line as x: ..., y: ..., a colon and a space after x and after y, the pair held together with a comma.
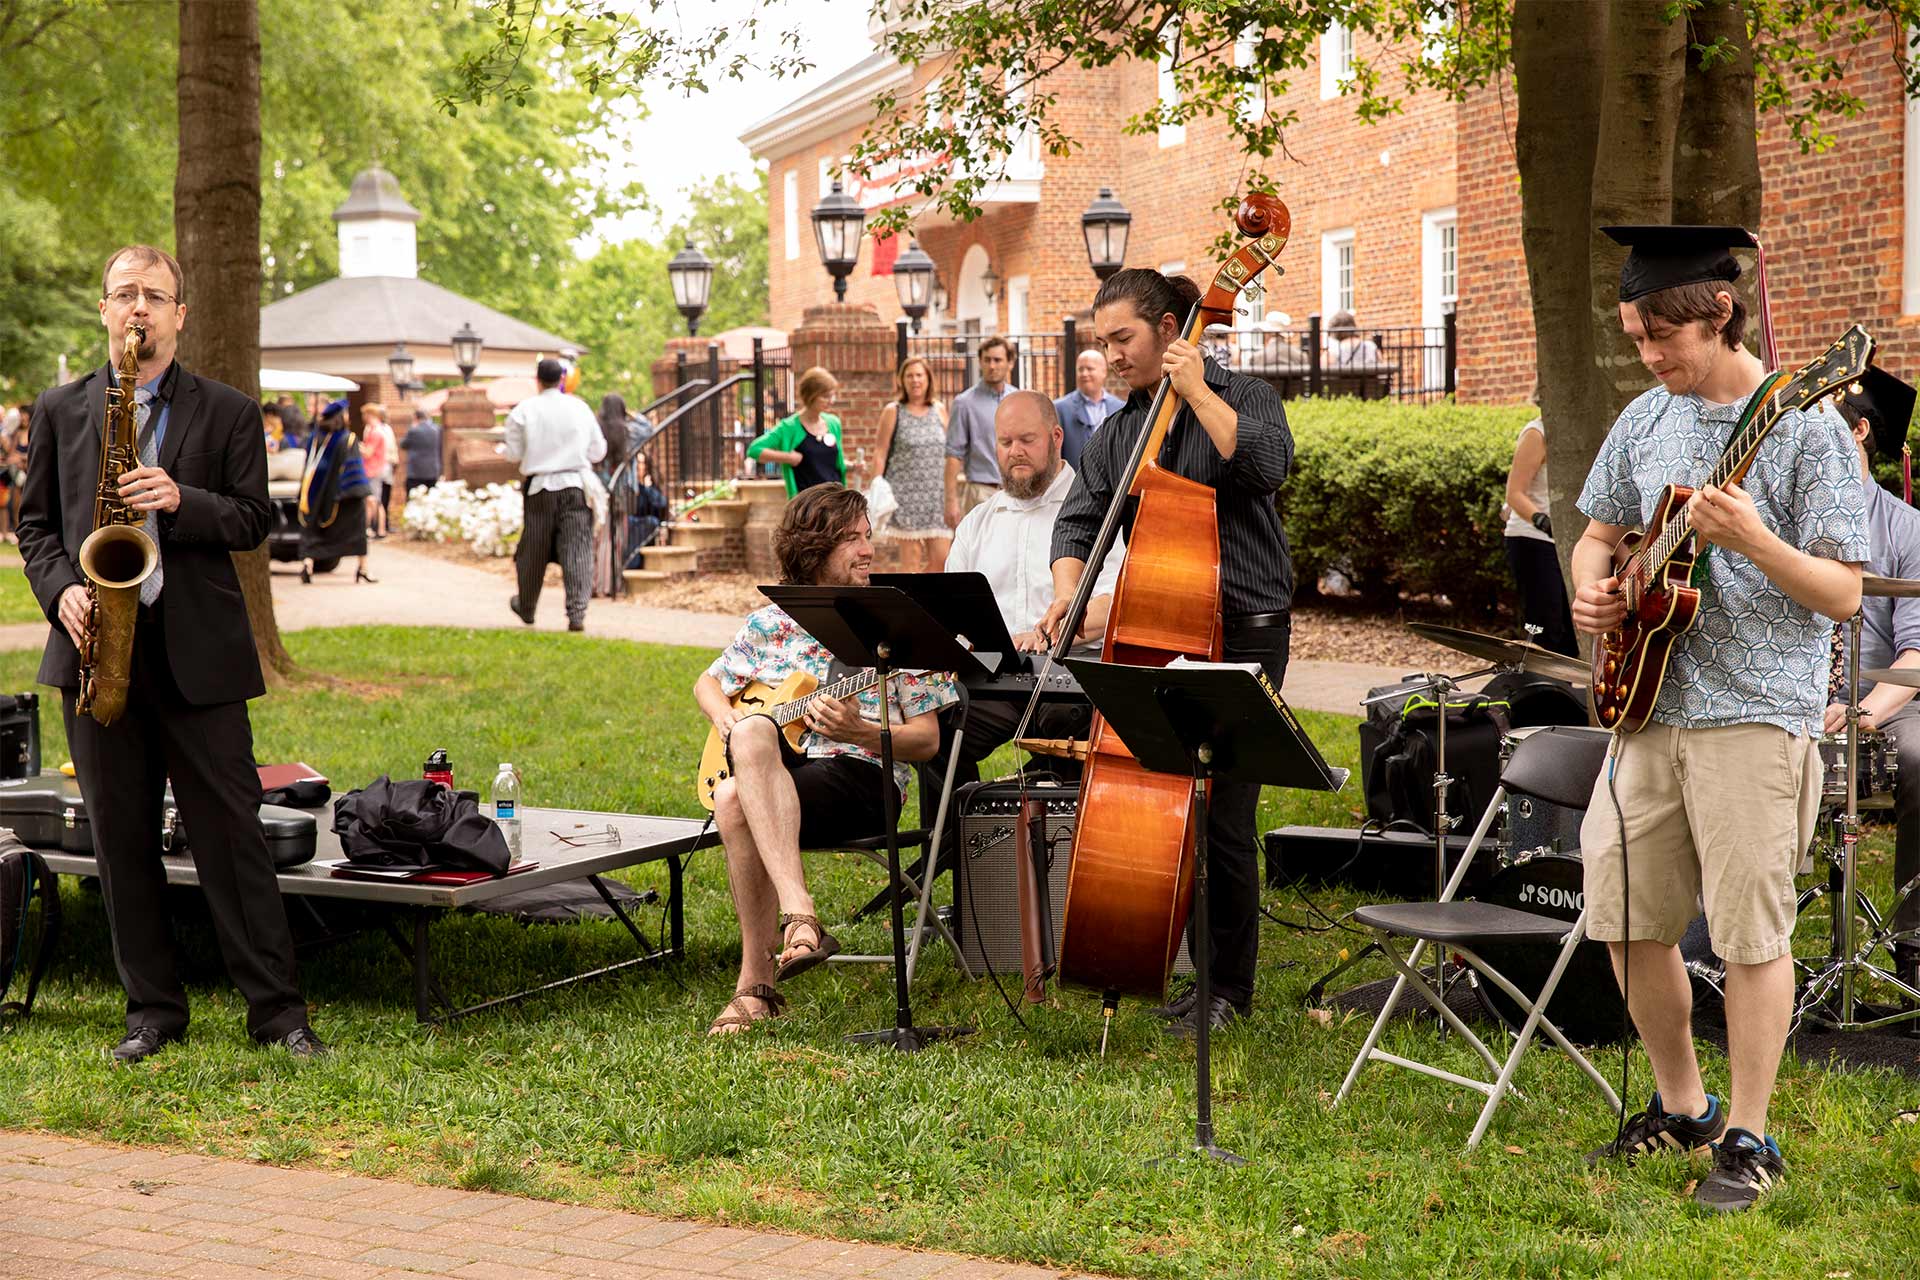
x: 1587, y: 1005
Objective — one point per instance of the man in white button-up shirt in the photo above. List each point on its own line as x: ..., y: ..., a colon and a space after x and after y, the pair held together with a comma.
x: 1009, y: 539
x: 556, y: 440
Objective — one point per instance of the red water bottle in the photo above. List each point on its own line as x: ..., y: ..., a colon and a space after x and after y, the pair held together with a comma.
x: 438, y: 769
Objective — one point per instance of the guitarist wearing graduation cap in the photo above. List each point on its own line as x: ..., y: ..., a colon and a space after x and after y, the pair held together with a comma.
x: 1880, y: 412
x: 1717, y: 794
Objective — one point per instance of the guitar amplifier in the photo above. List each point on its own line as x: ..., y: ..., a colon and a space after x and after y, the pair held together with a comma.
x: 986, y: 894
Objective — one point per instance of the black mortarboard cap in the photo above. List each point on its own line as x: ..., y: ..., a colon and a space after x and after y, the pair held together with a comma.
x: 1664, y: 257
x: 1887, y: 404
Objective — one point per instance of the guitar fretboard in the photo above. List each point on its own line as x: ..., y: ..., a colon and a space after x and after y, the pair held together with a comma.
x: 858, y: 682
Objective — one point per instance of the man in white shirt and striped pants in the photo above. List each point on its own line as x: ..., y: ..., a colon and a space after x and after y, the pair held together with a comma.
x: 556, y: 440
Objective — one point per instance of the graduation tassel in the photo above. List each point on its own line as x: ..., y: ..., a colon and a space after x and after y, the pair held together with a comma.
x: 1906, y: 474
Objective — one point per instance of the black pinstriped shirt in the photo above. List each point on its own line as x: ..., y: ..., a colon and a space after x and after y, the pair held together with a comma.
x: 1256, y: 572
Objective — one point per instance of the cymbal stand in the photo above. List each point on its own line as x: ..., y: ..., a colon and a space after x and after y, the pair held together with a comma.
x: 1848, y: 962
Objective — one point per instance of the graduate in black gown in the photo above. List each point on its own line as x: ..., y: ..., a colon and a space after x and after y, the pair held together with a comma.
x: 332, y: 485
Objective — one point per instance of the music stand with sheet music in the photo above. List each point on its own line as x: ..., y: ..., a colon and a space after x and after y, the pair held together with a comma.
x: 1212, y: 721
x: 881, y: 628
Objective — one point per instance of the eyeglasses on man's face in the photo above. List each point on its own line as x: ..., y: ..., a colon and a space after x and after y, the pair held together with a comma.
x: 128, y: 296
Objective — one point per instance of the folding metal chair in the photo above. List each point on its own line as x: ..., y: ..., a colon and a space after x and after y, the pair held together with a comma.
x: 919, y: 888
x: 1557, y: 764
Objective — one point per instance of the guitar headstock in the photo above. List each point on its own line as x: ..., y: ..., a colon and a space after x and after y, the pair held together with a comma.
x: 1829, y: 375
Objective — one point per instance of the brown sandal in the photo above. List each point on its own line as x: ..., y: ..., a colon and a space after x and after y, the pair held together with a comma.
x: 728, y: 1024
x: 824, y: 945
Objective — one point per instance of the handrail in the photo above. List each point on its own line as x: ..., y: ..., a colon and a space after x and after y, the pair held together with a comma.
x: 697, y: 401
x: 680, y: 390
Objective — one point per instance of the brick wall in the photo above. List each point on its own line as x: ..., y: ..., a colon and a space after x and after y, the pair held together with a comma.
x: 1496, y: 350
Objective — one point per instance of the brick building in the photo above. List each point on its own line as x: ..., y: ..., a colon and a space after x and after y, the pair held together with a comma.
x: 1372, y: 206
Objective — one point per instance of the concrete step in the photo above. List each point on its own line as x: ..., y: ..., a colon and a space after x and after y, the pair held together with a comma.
x: 728, y: 513
x: 683, y: 561
x: 699, y: 536
x: 644, y: 582
x: 766, y: 498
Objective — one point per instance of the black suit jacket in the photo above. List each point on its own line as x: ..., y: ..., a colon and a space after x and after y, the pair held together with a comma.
x: 216, y: 452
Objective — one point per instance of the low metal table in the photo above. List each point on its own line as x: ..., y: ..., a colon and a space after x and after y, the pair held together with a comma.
x: 638, y: 839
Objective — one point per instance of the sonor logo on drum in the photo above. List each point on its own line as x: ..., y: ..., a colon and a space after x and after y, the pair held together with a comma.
x: 1550, y: 895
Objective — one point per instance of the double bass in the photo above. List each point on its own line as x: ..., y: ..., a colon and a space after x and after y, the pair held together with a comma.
x: 1131, y: 883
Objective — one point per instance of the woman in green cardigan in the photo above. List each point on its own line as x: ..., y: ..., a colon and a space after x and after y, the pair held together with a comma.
x: 807, y: 444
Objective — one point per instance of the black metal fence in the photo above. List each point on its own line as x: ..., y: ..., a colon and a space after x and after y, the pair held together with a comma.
x: 1415, y: 364
x: 701, y: 428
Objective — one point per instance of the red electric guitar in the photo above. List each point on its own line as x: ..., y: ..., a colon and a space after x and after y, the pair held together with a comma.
x: 1655, y: 567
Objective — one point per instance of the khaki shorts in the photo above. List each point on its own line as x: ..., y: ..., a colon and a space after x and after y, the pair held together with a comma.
x: 1714, y: 815
x: 972, y: 493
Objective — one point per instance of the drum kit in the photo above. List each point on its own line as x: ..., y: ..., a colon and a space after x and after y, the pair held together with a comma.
x: 1861, y: 770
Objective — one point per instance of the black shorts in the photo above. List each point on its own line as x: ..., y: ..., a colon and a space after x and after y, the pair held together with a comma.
x: 840, y: 797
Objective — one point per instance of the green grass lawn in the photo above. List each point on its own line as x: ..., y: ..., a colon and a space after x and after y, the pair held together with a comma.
x: 1021, y: 1143
x: 16, y: 601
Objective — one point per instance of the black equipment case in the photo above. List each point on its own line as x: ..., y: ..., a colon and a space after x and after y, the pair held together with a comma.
x: 19, y: 735
x: 48, y: 812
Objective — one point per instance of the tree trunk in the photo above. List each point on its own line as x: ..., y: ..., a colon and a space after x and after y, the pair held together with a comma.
x: 1557, y: 87
x: 216, y: 198
x: 1716, y: 167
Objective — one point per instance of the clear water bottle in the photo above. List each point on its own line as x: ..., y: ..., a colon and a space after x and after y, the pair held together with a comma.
x: 506, y: 807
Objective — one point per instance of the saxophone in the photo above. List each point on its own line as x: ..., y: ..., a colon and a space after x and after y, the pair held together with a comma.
x: 118, y: 555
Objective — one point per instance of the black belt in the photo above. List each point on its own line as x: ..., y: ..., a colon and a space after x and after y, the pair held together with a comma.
x: 1260, y: 619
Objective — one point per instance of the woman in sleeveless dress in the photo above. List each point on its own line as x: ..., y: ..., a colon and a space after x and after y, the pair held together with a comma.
x: 913, y: 457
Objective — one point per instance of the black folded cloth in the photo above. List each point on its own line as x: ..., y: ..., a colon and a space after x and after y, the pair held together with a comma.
x: 308, y: 793
x: 418, y: 824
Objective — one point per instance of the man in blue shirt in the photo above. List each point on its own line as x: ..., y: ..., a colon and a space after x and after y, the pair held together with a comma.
x: 1087, y: 406
x: 973, y: 470
x: 1717, y: 795
x: 1890, y: 636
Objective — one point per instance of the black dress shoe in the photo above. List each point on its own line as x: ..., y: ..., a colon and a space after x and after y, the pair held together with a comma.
x: 302, y: 1043
x: 513, y: 603
x: 142, y: 1042
x: 1225, y: 1014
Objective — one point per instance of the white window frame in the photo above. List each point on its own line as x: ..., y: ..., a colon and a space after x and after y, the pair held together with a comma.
x: 1437, y: 227
x: 1253, y: 103
x: 1331, y: 243
x: 1336, y: 60
x: 826, y: 178
x: 1170, y: 135
x: 790, y: 198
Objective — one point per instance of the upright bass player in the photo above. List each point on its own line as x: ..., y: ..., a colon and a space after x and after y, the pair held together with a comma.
x: 1231, y: 436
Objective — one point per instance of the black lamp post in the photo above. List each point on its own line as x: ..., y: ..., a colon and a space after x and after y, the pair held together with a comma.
x: 1105, y: 225
x: 838, y: 221
x: 400, y: 367
x: 466, y: 352
x: 692, y: 275
x: 913, y: 277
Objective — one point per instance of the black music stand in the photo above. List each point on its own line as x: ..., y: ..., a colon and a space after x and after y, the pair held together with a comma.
x: 1208, y: 721
x: 879, y: 627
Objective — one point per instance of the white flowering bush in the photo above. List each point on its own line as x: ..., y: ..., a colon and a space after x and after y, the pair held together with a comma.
x: 488, y: 520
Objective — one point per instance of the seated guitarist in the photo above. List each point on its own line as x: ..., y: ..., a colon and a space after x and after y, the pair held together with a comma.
x: 1717, y: 794
x: 776, y: 801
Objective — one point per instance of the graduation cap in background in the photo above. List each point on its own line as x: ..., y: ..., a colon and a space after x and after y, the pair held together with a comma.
x: 1887, y: 405
x: 1665, y: 257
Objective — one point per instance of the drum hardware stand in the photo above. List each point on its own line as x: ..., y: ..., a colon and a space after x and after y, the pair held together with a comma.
x: 1847, y: 962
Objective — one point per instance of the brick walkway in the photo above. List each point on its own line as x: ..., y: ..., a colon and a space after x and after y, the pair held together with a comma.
x: 73, y: 1210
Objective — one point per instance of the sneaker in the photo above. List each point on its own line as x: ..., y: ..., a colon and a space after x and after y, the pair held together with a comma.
x: 1225, y: 1014
x: 1744, y: 1169
x: 1178, y: 1007
x: 1657, y: 1129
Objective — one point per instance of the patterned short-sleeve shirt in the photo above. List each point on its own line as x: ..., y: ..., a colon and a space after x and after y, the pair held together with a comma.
x: 770, y: 646
x: 1754, y: 655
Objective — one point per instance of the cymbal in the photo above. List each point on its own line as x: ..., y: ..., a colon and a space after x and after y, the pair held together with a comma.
x: 1907, y: 676
x: 1872, y: 584
x: 1506, y: 653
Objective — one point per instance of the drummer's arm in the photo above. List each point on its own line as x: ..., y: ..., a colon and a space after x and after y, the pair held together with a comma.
x: 1886, y: 697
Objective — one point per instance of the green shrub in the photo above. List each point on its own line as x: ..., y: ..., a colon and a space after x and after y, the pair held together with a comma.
x: 1402, y: 498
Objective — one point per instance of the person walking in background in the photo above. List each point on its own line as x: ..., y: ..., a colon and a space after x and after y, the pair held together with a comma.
x: 1082, y: 410
x: 13, y: 469
x: 973, y: 472
x: 422, y: 448
x: 912, y: 456
x: 1530, y: 550
x: 333, y: 493
x: 376, y: 453
x: 807, y: 444
x: 556, y: 440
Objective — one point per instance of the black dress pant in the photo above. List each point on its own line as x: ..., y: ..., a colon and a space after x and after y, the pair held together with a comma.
x: 559, y: 527
x: 1543, y: 593
x: 1233, y: 846
x: 123, y: 770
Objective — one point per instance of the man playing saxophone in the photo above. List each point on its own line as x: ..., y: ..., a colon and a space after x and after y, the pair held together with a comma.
x: 199, y: 492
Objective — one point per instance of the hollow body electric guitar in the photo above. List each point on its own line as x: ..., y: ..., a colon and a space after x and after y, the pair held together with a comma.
x: 786, y: 703
x: 1656, y: 567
